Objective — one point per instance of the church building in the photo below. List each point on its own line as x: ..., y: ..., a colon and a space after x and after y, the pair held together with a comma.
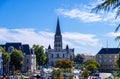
x: 58, y: 52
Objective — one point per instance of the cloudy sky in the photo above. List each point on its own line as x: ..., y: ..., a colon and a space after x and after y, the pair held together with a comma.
x: 34, y: 22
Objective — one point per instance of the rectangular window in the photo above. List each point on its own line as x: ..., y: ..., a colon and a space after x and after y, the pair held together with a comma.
x: 63, y: 55
x: 27, y: 61
x: 52, y: 55
x: 57, y: 55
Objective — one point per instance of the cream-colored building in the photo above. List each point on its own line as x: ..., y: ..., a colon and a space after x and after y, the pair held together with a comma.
x: 107, y: 57
x: 88, y: 57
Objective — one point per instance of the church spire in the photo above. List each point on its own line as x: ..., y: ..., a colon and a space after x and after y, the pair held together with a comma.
x: 49, y: 47
x: 58, y: 31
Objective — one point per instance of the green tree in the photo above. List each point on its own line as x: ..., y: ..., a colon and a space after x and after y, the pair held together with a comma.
x: 64, y: 63
x: 16, y: 59
x: 78, y: 59
x: 5, y: 57
x: 109, y: 5
x: 92, y: 65
x: 85, y: 74
x: 41, y: 57
x: 118, y: 40
x: 118, y: 62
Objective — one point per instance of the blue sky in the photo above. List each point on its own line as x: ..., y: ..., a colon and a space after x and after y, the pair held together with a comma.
x: 34, y: 22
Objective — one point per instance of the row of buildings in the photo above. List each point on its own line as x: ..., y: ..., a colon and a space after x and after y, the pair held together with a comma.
x: 106, y: 56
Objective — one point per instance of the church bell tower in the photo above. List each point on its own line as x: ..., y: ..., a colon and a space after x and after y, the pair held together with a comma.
x: 58, y: 38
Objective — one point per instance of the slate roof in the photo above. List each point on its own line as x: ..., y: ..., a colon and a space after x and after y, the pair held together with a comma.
x: 15, y: 45
x: 109, y: 51
x: 19, y: 46
x: 26, y: 49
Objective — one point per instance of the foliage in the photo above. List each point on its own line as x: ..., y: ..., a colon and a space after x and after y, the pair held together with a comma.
x: 57, y: 73
x: 5, y: 56
x: 16, y: 59
x: 92, y: 65
x: 78, y: 59
x: 118, y: 40
x: 109, y: 5
x: 85, y: 74
x: 64, y: 63
x: 17, y: 72
x: 118, y: 62
x: 41, y: 58
x: 21, y: 77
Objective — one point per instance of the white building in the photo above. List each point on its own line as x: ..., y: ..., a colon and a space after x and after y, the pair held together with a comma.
x: 58, y: 52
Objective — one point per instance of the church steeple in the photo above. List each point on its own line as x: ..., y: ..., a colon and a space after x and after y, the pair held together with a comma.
x: 58, y: 38
x: 58, y: 31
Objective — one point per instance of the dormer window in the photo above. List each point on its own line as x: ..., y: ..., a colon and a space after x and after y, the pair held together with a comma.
x: 10, y: 49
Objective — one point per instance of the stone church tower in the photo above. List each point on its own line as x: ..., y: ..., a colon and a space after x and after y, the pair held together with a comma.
x: 58, y: 52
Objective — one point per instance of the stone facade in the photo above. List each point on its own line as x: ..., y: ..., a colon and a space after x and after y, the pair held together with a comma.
x: 107, y: 57
x: 58, y: 52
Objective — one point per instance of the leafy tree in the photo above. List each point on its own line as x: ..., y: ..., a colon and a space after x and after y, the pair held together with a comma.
x: 118, y: 40
x: 78, y: 59
x: 5, y: 56
x: 16, y: 59
x: 109, y: 5
x: 85, y: 74
x: 118, y: 62
x: 41, y: 58
x: 64, y: 63
x: 92, y: 65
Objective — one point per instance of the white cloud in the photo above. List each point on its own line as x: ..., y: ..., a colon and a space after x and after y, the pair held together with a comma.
x: 113, y: 34
x: 30, y: 36
x: 83, y: 13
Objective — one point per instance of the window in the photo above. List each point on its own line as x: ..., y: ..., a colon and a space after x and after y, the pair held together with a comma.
x: 115, y: 56
x: 71, y: 57
x: 27, y: 68
x: 10, y: 49
x: 63, y: 55
x: 110, y: 56
x: 104, y: 60
x: 110, y: 60
x: 27, y: 61
x: 52, y: 56
x: 99, y: 61
x: 57, y: 55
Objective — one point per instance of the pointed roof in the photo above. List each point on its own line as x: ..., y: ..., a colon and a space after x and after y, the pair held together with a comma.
x: 49, y: 47
x: 58, y: 31
x: 67, y: 47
